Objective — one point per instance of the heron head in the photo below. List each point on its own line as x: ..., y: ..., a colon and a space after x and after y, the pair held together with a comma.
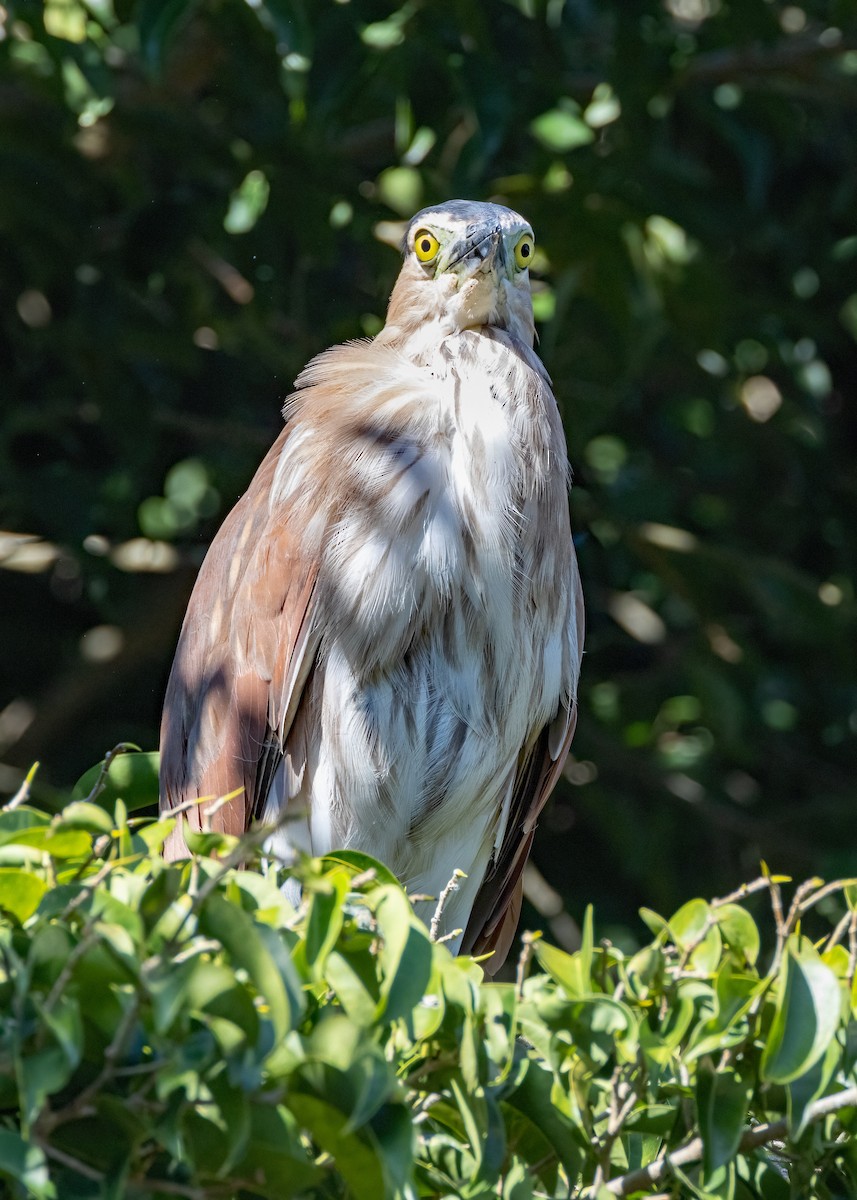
x: 466, y: 265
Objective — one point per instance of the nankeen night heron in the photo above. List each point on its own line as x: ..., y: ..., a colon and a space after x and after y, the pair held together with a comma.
x: 385, y: 636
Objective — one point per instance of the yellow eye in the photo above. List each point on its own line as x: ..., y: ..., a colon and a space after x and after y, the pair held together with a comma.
x: 524, y: 251
x: 426, y: 246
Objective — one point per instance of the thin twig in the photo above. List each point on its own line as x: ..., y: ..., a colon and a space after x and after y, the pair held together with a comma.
x: 852, y: 947
x: 800, y: 901
x: 81, y: 1104
x: 782, y: 929
x: 746, y: 889
x: 447, y: 937
x: 165, y: 1187
x: 187, y: 805
x: 740, y: 893
x: 120, y: 748
x: 214, y: 806
x: 23, y: 793
x: 829, y: 889
x: 528, y: 941
x: 74, y: 1164
x: 759, y: 1135
x: 452, y: 886
x: 623, y: 1098
x: 87, y: 940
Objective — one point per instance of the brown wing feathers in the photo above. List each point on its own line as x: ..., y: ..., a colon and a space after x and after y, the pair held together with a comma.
x: 241, y: 662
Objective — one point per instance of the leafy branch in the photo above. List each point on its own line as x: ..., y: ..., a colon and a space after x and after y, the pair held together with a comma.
x: 181, y: 1023
x: 758, y: 1135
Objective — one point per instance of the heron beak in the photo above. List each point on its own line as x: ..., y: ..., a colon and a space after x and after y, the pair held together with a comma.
x: 481, y: 250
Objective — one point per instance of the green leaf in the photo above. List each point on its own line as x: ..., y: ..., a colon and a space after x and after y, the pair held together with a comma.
x: 722, y: 1099
x: 689, y: 922
x: 517, y: 1182
x: 91, y: 818
x: 360, y: 864
x: 694, y: 929
x: 734, y: 994
x: 357, y: 1161
x: 247, y: 204
x: 262, y: 955
x: 168, y: 989
x: 562, y: 128
x: 62, y: 843
x: 533, y: 1098
x: 20, y: 892
x: 343, y: 1067
x: 473, y: 1112
x: 498, y: 1008
x: 528, y: 1144
x: 393, y: 1132
x: 645, y: 970
x: 739, y: 932
x: 214, y: 990
x: 383, y: 35
x: 599, y: 1026
x: 654, y: 921
x: 156, y: 834
x: 132, y: 777
x: 808, y: 1087
x: 63, y: 1019
x: 116, y: 910
x: 806, y: 1016
x: 40, y: 1075
x: 209, y: 843
x: 50, y: 947
x: 159, y: 895
x: 16, y: 821
x: 324, y: 918
x: 356, y: 993
x: 260, y: 895
x: 16, y: 855
x: 405, y: 955
x: 662, y: 1042
x: 26, y: 1165
x: 571, y: 971
x: 275, y: 1162
x: 374, y: 1086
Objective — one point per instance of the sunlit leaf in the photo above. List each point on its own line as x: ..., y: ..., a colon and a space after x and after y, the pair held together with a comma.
x: 259, y: 952
x: 248, y: 203
x: 20, y: 892
x: 25, y: 1163
x: 562, y: 128
x: 739, y: 931
x: 806, y: 1016
x: 133, y: 777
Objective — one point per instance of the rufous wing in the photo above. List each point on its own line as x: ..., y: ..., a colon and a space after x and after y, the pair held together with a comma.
x: 246, y: 647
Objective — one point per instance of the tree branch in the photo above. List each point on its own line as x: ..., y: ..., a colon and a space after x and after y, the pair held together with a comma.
x: 759, y: 1135
x: 788, y: 55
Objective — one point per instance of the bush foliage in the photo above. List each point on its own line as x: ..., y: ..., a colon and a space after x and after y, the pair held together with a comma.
x: 198, y: 195
x: 183, y: 1030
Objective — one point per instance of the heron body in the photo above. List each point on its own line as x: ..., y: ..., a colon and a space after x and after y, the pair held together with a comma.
x: 385, y: 636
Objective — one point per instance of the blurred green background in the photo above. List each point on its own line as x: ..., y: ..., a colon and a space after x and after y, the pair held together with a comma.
x: 196, y: 197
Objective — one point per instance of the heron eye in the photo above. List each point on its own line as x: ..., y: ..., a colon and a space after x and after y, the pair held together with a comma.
x: 524, y: 251
x: 426, y: 246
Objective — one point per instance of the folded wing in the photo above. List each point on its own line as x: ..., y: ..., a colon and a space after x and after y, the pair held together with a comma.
x: 246, y: 648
